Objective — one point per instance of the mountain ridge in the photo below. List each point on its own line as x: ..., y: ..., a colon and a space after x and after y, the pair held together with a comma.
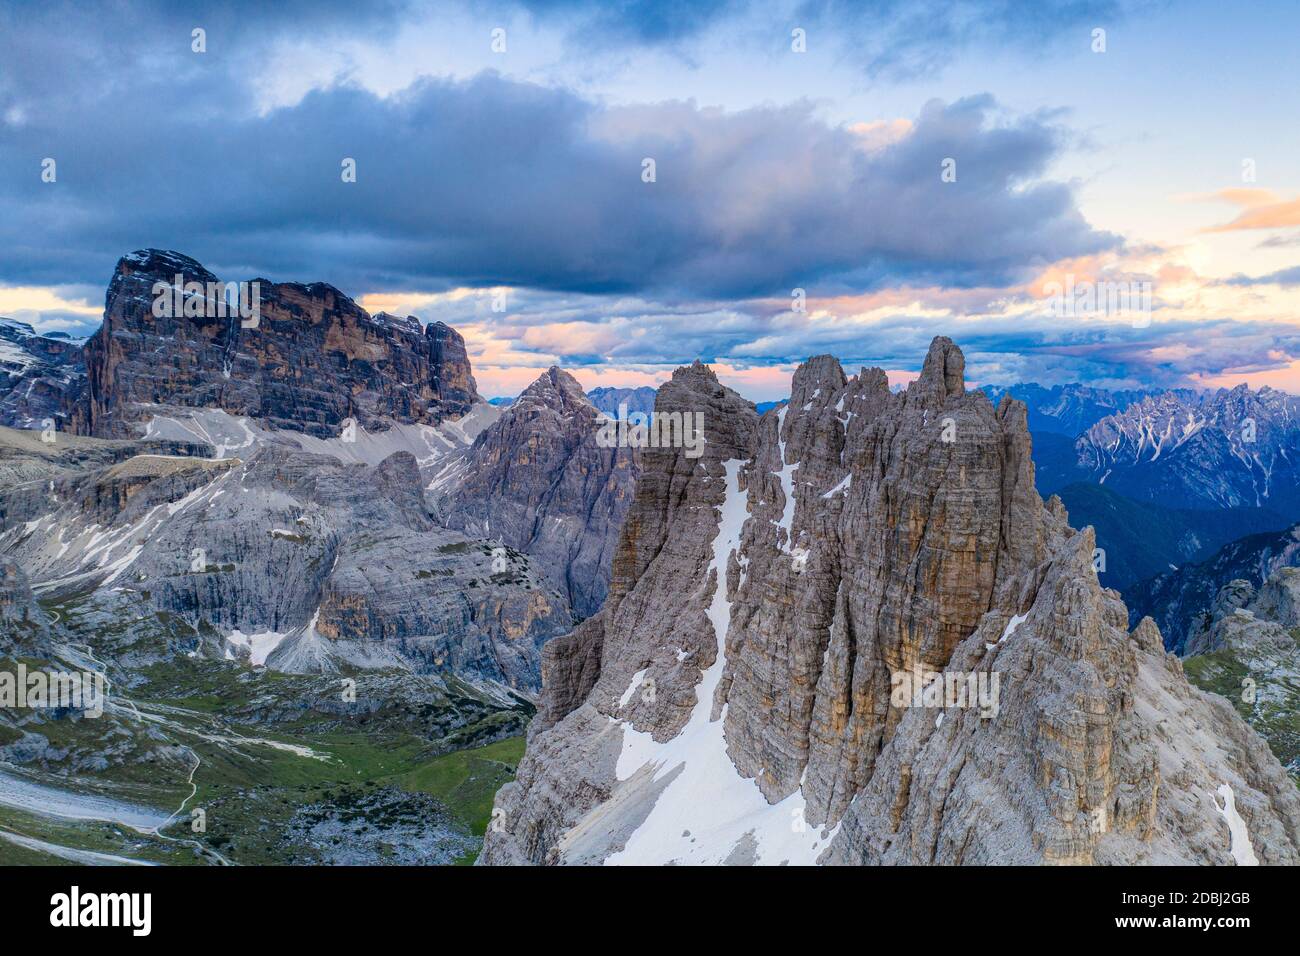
x: 767, y: 596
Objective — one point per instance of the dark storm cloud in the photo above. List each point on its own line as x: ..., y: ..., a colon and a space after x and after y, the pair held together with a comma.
x: 493, y: 181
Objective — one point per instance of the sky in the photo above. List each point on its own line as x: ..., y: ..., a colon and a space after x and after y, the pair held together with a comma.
x: 828, y: 177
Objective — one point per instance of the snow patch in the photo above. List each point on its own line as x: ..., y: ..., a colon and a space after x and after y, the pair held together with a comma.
x: 708, y: 798
x: 637, y: 678
x: 259, y: 645
x: 842, y: 486
x: 1241, y: 849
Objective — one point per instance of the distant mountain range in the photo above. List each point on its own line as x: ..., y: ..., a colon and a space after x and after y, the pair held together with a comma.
x: 1223, y: 449
x: 1067, y: 409
x: 1140, y: 539
x: 40, y: 375
x: 1228, y: 448
x: 1187, y: 490
x: 613, y: 401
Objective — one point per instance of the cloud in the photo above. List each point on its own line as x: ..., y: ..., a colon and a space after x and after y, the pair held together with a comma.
x: 478, y: 183
x: 1282, y: 277
x: 640, y: 22
x: 1261, y: 209
x: 907, y: 39
x: 1281, y: 242
x: 493, y: 181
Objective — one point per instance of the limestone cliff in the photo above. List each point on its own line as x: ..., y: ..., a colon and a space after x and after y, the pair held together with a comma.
x: 736, y: 698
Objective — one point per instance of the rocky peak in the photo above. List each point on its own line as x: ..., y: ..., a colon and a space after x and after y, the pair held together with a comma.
x: 766, y: 598
x: 943, y: 375
x: 554, y: 385
x: 538, y: 480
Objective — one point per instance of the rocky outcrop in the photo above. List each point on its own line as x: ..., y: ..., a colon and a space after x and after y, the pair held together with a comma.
x: 770, y: 599
x: 314, y: 358
x: 41, y: 376
x: 539, y: 481
x: 23, y: 625
x: 291, y: 559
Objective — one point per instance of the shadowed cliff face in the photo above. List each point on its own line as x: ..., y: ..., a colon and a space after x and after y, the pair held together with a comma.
x: 734, y: 700
x: 41, y: 377
x: 314, y: 359
x: 538, y: 480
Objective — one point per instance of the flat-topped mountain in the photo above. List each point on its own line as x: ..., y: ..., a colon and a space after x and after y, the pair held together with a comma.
x: 314, y: 359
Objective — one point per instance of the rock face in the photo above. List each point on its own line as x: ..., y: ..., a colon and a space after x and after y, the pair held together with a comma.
x: 538, y: 481
x: 22, y: 622
x: 1178, y: 599
x: 315, y: 358
x: 1220, y: 449
x: 41, y: 376
x: 295, y: 560
x: 743, y: 695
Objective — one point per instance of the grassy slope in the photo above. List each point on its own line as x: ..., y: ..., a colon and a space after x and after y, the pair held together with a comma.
x: 1275, y: 713
x: 249, y: 791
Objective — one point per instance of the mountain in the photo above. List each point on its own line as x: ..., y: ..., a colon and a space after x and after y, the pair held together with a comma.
x: 1222, y: 449
x: 1246, y: 649
x: 41, y: 376
x: 294, y: 642
x: 287, y: 558
x: 314, y: 360
x: 1067, y: 409
x: 785, y: 609
x: 198, y: 759
x: 1175, y: 599
x: 240, y: 514
x: 1141, y: 539
x: 538, y: 481
x: 609, y: 400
